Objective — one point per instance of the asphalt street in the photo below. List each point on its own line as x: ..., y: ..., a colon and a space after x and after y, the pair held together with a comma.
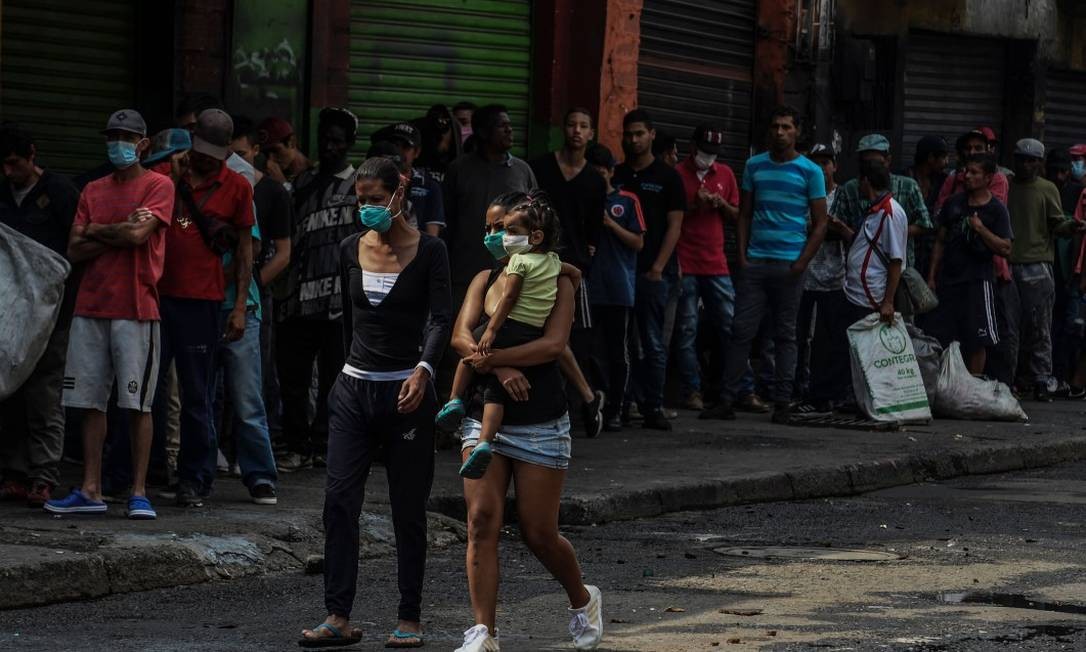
x: 979, y: 563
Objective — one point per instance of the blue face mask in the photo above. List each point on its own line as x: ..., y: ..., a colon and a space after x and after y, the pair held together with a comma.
x: 378, y: 218
x: 122, y: 154
x: 1078, y: 169
x: 493, y: 243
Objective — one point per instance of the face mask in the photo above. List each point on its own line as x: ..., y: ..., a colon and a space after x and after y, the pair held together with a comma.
x: 516, y: 244
x: 704, y: 161
x: 1078, y: 169
x: 378, y: 218
x: 493, y: 244
x: 122, y: 154
x: 465, y: 133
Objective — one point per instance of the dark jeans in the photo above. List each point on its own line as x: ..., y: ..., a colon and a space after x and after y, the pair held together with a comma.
x: 268, y: 374
x: 765, y: 287
x: 650, y: 306
x: 363, y: 424
x: 298, y: 343
x: 830, y: 365
x: 190, y: 334
x: 610, y: 353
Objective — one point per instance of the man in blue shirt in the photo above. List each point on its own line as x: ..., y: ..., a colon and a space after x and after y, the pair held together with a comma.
x: 782, y: 222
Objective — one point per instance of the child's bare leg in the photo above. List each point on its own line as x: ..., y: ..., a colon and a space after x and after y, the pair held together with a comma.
x: 461, y: 380
x: 493, y: 413
x: 478, y: 459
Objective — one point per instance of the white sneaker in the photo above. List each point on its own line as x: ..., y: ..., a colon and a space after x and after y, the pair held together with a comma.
x: 478, y: 639
x: 586, y: 624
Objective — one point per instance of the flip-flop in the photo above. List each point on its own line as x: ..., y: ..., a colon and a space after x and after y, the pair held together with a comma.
x: 400, y: 639
x: 475, y: 466
x: 337, y: 639
x: 450, y: 416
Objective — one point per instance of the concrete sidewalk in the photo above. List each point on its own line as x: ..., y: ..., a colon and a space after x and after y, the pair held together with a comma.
x: 633, y: 474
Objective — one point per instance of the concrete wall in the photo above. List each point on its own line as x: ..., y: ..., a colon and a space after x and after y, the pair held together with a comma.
x: 618, y: 77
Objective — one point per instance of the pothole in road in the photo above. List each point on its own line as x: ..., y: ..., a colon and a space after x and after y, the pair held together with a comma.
x: 808, y: 554
x: 1013, y: 601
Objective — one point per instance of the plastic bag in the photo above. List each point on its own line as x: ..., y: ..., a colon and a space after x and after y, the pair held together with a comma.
x: 961, y: 395
x: 929, y: 357
x: 31, y: 292
x: 885, y: 375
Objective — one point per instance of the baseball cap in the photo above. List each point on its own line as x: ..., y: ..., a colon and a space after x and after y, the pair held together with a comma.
x: 929, y: 145
x: 708, y: 139
x: 1078, y: 150
x: 974, y: 133
x: 402, y: 131
x: 166, y: 143
x: 274, y: 130
x: 600, y: 155
x: 988, y: 133
x: 873, y: 143
x: 339, y: 115
x: 126, y: 120
x: 1029, y: 147
x: 214, y: 129
x: 822, y: 150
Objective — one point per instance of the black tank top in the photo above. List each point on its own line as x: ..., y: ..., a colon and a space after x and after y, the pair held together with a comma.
x: 546, y: 398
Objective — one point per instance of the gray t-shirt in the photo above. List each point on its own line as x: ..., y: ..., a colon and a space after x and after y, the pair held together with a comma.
x: 826, y: 271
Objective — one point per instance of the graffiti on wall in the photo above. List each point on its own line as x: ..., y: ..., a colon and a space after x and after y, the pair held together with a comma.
x: 268, y: 59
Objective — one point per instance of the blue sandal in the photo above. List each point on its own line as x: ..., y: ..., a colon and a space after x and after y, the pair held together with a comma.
x: 336, y: 638
x: 475, y: 466
x: 401, y: 639
x: 450, y: 416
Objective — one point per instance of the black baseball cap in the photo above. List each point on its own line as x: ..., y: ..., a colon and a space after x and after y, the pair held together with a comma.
x: 708, y: 139
x: 822, y: 150
x: 404, y: 132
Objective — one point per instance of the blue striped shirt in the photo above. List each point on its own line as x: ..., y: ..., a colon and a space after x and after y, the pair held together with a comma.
x: 782, y: 193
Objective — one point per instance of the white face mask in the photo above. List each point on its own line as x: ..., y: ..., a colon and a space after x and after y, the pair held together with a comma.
x: 516, y: 244
x: 704, y: 161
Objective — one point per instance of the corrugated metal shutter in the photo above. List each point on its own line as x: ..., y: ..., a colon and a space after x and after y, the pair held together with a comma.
x: 695, y: 66
x: 65, y: 65
x: 1065, y: 108
x: 407, y: 55
x: 952, y: 84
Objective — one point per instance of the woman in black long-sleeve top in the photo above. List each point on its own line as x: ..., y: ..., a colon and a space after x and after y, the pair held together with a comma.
x: 396, y: 322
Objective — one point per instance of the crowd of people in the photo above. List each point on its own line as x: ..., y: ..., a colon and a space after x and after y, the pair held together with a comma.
x: 237, y: 309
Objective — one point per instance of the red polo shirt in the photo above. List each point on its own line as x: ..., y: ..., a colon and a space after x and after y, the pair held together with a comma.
x: 192, y: 270
x: 701, y: 245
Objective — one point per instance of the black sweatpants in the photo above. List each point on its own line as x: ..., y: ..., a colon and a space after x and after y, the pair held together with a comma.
x: 611, y: 353
x: 363, y: 424
x: 298, y: 343
x: 831, y: 366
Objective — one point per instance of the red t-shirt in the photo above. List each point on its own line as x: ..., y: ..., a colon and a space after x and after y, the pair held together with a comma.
x: 701, y: 245
x: 120, y: 283
x: 192, y: 270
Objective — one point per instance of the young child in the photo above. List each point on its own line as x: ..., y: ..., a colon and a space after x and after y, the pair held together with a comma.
x: 611, y: 284
x: 531, y: 288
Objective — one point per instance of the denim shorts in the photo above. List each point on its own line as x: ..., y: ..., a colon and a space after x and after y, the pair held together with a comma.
x: 545, y: 444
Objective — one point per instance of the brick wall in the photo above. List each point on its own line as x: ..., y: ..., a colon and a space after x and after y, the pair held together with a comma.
x: 618, y: 78
x: 203, y: 47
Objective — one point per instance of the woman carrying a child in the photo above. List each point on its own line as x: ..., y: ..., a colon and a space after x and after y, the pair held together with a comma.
x: 531, y: 442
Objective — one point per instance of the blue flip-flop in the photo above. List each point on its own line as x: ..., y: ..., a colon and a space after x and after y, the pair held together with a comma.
x: 337, y: 639
x: 450, y: 416
x: 475, y: 466
x: 400, y: 639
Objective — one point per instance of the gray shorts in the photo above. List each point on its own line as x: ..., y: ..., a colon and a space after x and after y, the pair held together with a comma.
x: 101, y: 351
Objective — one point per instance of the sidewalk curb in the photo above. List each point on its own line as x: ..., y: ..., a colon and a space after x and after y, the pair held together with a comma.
x: 815, y: 482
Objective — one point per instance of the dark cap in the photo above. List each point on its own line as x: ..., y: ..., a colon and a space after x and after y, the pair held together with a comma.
x: 166, y: 143
x: 600, y: 155
x: 929, y: 145
x: 821, y: 150
x: 339, y: 116
x: 274, y: 130
x: 708, y: 139
x: 404, y: 132
x: 214, y: 130
x: 126, y: 120
x: 975, y: 133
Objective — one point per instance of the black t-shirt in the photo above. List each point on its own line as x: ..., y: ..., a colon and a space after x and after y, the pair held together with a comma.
x: 579, y: 203
x: 660, y: 190
x: 46, y: 212
x: 273, y: 214
x: 965, y: 256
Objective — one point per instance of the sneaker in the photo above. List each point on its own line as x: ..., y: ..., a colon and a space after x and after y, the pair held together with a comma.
x: 264, y: 494
x: 188, y: 497
x: 293, y: 462
x: 12, y: 490
x: 693, y: 401
x: 751, y: 403
x: 669, y: 414
x: 612, y: 423
x: 235, y: 470
x: 222, y: 465
x: 478, y: 639
x: 593, y: 415
x: 39, y: 494
x: 586, y: 623
x: 76, y: 502
x: 812, y: 409
x: 721, y: 411
x: 140, y: 509
x: 320, y: 461
x: 1042, y: 393
x: 1076, y: 393
x: 168, y: 492
x: 782, y: 413
x: 656, y: 421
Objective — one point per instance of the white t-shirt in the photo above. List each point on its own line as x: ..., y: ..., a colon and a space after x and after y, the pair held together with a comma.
x: 865, y: 277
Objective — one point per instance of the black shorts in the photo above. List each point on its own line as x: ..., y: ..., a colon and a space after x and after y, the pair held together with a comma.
x: 966, y: 314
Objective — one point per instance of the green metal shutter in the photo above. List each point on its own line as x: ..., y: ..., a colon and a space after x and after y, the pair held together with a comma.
x: 65, y: 65
x: 407, y: 55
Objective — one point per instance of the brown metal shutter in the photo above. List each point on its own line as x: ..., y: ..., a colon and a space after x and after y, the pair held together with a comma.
x: 65, y: 65
x: 695, y: 66
x: 952, y: 84
x: 1065, y: 108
